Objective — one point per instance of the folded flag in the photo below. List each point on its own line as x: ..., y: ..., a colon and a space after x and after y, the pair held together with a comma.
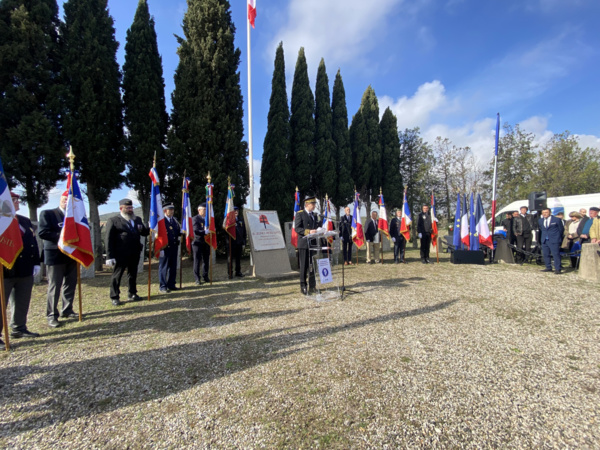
x: 358, y: 237
x: 11, y: 242
x: 157, y: 216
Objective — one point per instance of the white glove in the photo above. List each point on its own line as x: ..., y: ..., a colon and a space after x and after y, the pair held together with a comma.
x: 111, y: 262
x: 162, y: 253
x: 36, y: 270
x: 393, y: 239
x: 341, y: 239
x: 420, y: 235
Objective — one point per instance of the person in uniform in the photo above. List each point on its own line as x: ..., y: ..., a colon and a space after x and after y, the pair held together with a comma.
x: 398, y: 238
x: 237, y: 244
x: 123, y: 249
x: 424, y: 229
x: 61, y: 270
x: 200, y: 248
x: 18, y: 281
x: 346, y: 236
x: 167, y: 265
x: 372, y: 237
x: 306, y: 223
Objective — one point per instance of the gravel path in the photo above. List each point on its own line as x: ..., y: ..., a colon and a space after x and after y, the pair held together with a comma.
x: 415, y: 356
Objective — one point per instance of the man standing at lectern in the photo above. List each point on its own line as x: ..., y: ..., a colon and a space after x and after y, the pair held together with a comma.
x: 306, y: 223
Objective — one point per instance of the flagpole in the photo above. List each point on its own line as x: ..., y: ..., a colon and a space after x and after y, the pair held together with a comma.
x: 495, y: 180
x: 71, y: 157
x: 250, y: 157
x: 182, y: 241
x: 3, y: 305
x: 150, y: 243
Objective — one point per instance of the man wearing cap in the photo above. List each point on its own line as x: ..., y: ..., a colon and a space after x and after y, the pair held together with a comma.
x: 587, y: 225
x: 18, y: 281
x: 523, y: 227
x: 306, y: 223
x: 237, y: 244
x: 61, y: 270
x: 167, y: 266
x: 424, y: 230
x: 200, y: 248
x: 123, y: 249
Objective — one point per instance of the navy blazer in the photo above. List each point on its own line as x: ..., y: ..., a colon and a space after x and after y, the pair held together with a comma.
x: 346, y: 227
x: 395, y: 226
x: 29, y: 256
x: 51, y: 223
x: 303, y: 224
x: 372, y: 230
x: 554, y: 233
x: 123, y: 240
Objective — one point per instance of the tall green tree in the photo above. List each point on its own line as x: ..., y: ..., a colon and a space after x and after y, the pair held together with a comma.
x: 207, y: 119
x: 565, y: 169
x: 94, y: 120
x: 361, y: 156
x: 146, y: 116
x: 344, y: 190
x: 369, y: 107
x: 302, y: 128
x: 325, y: 177
x: 391, y: 179
x: 31, y: 144
x: 276, y: 188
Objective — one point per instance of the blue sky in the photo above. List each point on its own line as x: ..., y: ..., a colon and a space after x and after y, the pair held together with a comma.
x: 447, y: 66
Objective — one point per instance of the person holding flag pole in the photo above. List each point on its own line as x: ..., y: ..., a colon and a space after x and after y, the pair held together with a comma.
x: 434, y: 228
x: 358, y: 236
x: 383, y: 221
x: 187, y: 227
x: 209, y: 223
x: 11, y: 246
x: 75, y: 238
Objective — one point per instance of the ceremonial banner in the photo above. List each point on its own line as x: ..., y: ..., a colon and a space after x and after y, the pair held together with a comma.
x: 382, y: 224
x: 186, y: 220
x: 229, y: 220
x: 358, y: 237
x: 294, y: 238
x: 11, y: 243
x: 157, y: 216
x: 434, y: 222
x: 265, y: 230
x: 251, y: 12
x: 406, y: 219
x: 209, y: 220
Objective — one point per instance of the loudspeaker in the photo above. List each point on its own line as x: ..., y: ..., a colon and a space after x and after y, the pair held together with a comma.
x: 467, y: 257
x: 537, y: 201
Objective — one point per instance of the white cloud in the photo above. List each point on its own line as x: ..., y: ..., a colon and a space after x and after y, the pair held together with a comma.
x: 337, y: 31
x: 586, y: 140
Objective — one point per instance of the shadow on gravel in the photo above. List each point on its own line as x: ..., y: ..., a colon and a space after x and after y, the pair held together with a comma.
x: 398, y: 282
x: 66, y: 391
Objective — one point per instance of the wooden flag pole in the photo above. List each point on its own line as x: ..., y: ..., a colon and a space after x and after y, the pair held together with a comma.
x: 182, y: 241
x: 230, y: 260
x: 211, y: 264
x: 79, y: 289
x: 3, y: 305
x: 149, y: 263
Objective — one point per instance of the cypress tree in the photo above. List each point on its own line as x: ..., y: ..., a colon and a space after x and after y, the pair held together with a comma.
x: 361, y: 156
x: 369, y: 108
x: 94, y: 123
x: 146, y: 118
x: 325, y: 175
x: 276, y: 189
x: 30, y: 136
x: 302, y: 127
x: 207, y: 119
x: 344, y: 190
x: 391, y: 180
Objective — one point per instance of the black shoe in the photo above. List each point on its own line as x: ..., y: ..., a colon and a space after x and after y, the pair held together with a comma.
x: 546, y: 270
x: 423, y: 261
x: 303, y: 290
x: 240, y: 274
x: 19, y: 334
x: 134, y: 298
x: 427, y: 259
x: 54, y: 323
x: 70, y: 315
x: 1, y: 342
x: 173, y: 288
x: 230, y: 277
x: 558, y: 272
x: 117, y: 302
x: 404, y: 262
x: 206, y: 279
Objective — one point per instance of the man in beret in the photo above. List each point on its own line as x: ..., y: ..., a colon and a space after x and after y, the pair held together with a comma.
x: 200, y: 249
x: 167, y: 266
x: 123, y: 249
x: 61, y: 270
x: 306, y: 223
x: 18, y: 281
x: 237, y: 245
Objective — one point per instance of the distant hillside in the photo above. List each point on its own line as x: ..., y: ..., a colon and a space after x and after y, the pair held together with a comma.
x: 105, y: 217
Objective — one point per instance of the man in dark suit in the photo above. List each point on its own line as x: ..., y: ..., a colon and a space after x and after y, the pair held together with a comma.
x: 237, y: 245
x: 424, y: 229
x: 61, y: 270
x: 306, y: 224
x: 18, y: 281
x: 123, y: 249
x: 200, y: 249
x: 167, y: 264
x: 552, y: 230
x: 523, y: 227
x: 373, y: 239
x: 346, y: 235
x: 398, y: 238
x: 507, y: 225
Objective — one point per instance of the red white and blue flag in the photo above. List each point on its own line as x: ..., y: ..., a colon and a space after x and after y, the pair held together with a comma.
x: 382, y: 224
x: 434, y: 222
x: 358, y: 237
x: 229, y: 219
x: 75, y: 238
x: 464, y: 225
x: 157, y: 216
x: 406, y: 219
x: 296, y: 209
x: 485, y: 237
x: 11, y: 242
x: 209, y: 220
x: 187, y: 227
x: 327, y: 222
x: 251, y: 12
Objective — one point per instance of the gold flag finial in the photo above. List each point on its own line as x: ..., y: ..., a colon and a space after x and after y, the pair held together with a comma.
x: 208, y: 178
x: 71, y: 157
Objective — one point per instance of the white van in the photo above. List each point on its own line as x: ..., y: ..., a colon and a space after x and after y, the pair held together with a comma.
x: 556, y: 204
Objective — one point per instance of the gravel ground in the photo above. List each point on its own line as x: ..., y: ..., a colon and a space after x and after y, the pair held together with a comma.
x: 415, y: 356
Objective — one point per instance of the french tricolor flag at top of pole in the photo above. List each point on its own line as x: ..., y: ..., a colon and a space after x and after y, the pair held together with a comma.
x: 406, y: 219
x: 187, y: 226
x: 382, y: 224
x: 358, y: 237
x: 157, y: 216
x: 251, y: 12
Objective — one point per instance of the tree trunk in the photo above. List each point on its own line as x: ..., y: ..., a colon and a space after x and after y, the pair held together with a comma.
x: 95, y: 228
x: 145, y: 201
x: 33, y: 213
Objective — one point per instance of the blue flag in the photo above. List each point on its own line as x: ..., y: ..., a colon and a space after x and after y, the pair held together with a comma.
x: 456, y: 240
